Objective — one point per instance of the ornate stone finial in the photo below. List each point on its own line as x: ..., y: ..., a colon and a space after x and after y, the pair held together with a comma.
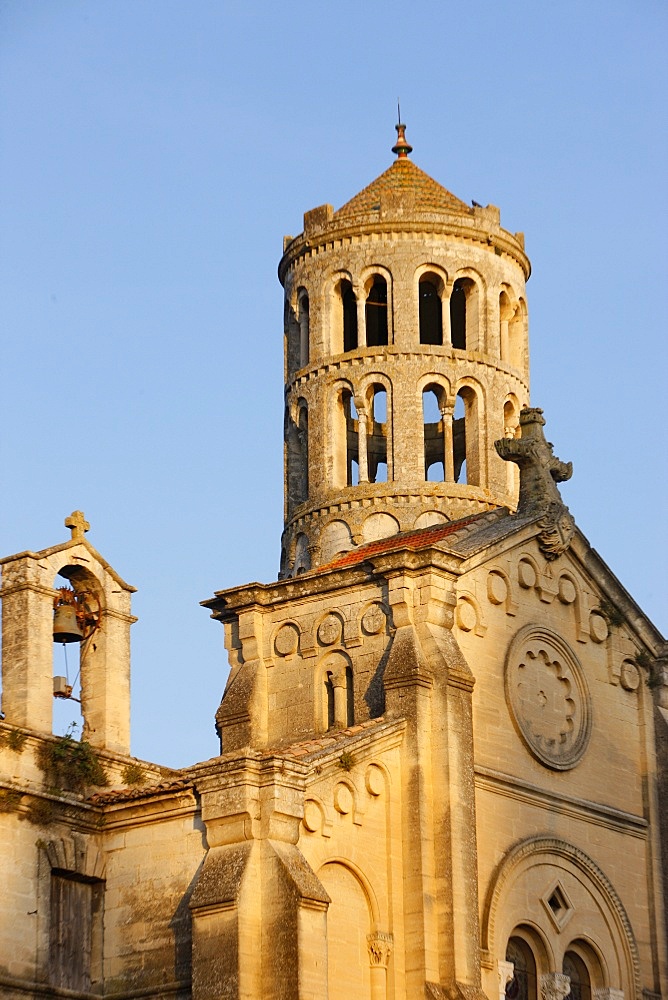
x: 540, y: 472
x: 77, y: 524
x: 402, y: 148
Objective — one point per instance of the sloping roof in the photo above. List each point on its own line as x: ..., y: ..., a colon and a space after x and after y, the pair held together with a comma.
x: 325, y: 742
x: 140, y: 792
x: 420, y: 538
x: 404, y: 178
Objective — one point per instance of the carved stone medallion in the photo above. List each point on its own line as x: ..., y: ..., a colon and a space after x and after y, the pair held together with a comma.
x: 548, y: 698
x: 329, y: 630
x: 373, y: 619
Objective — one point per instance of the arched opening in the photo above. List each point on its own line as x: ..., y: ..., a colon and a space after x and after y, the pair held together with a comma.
x: 302, y: 561
x: 348, y: 927
x: 375, y: 313
x: 329, y: 700
x: 430, y: 311
x: 464, y: 314
x: 434, y: 434
x: 350, y: 698
x: 352, y: 439
x: 376, y: 441
x: 348, y: 315
x: 510, y: 425
x: 505, y: 316
x: 523, y: 985
x: 304, y: 332
x: 465, y: 443
x: 68, y: 658
x: 302, y: 430
x: 575, y: 968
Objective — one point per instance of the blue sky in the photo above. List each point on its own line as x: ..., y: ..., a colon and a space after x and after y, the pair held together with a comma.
x: 154, y: 153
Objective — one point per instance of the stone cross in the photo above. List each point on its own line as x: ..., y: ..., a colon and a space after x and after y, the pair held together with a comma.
x: 77, y: 524
x: 540, y: 471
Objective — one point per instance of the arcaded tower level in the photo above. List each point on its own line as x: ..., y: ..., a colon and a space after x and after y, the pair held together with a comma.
x: 406, y: 357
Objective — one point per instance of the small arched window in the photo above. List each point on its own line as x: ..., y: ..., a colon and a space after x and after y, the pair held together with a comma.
x: 434, y: 435
x: 352, y: 439
x: 376, y: 313
x: 523, y: 985
x: 465, y: 443
x: 464, y: 314
x: 577, y: 972
x: 376, y: 440
x: 430, y: 312
x: 349, y: 310
x: 304, y: 332
x: 302, y: 429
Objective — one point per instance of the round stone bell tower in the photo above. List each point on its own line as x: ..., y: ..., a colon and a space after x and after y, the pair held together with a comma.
x: 406, y: 357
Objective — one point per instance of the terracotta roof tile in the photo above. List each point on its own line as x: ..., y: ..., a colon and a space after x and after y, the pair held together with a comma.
x: 421, y: 538
x: 139, y: 792
x: 404, y: 178
x: 325, y: 742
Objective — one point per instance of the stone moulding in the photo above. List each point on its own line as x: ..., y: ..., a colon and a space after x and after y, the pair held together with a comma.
x: 550, y: 848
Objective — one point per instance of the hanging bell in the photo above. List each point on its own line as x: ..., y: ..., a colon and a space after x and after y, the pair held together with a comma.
x: 65, y: 625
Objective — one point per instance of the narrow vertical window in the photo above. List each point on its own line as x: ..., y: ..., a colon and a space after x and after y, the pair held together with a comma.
x: 430, y: 312
x: 329, y: 700
x: 349, y: 309
x: 350, y: 698
x: 304, y: 331
x: 464, y: 315
x: 434, y: 437
x: 465, y: 438
x: 377, y: 437
x: 303, y: 451
x: 352, y: 440
x: 376, y: 313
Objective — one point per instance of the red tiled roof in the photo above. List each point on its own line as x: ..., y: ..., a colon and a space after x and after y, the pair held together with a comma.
x: 404, y: 177
x: 421, y: 538
x: 324, y: 742
x: 139, y: 792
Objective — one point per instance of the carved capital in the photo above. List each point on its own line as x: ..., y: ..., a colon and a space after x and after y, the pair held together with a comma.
x: 608, y: 993
x: 554, y: 986
x: 380, y: 948
x: 506, y: 972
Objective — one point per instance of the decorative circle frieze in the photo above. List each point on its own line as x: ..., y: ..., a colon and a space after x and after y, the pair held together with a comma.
x: 567, y: 590
x: 548, y: 697
x: 329, y: 630
x: 312, y: 816
x: 374, y: 780
x: 287, y: 640
x: 343, y: 799
x: 526, y: 574
x: 373, y: 619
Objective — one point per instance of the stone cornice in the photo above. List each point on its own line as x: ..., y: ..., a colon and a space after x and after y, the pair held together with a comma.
x: 353, y: 359
x: 566, y: 805
x: 370, y: 226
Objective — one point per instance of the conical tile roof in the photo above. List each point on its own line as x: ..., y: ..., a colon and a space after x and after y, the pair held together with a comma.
x: 404, y: 178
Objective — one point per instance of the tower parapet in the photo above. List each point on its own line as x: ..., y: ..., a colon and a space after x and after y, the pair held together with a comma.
x: 406, y: 357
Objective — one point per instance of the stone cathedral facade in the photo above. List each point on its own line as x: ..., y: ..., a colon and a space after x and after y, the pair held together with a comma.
x: 444, y: 736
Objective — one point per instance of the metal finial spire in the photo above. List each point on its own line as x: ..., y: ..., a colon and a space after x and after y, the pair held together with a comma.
x: 402, y: 148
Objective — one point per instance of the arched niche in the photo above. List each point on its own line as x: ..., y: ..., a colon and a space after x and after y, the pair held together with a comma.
x: 379, y: 525
x: 334, y: 539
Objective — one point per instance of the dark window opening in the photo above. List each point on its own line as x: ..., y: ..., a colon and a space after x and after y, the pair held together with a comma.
x: 350, y: 698
x: 303, y: 452
x: 523, y: 984
x: 349, y: 303
x: 304, y: 331
x: 578, y: 974
x: 431, y: 314
x: 376, y: 314
x: 329, y: 696
x: 458, y: 316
